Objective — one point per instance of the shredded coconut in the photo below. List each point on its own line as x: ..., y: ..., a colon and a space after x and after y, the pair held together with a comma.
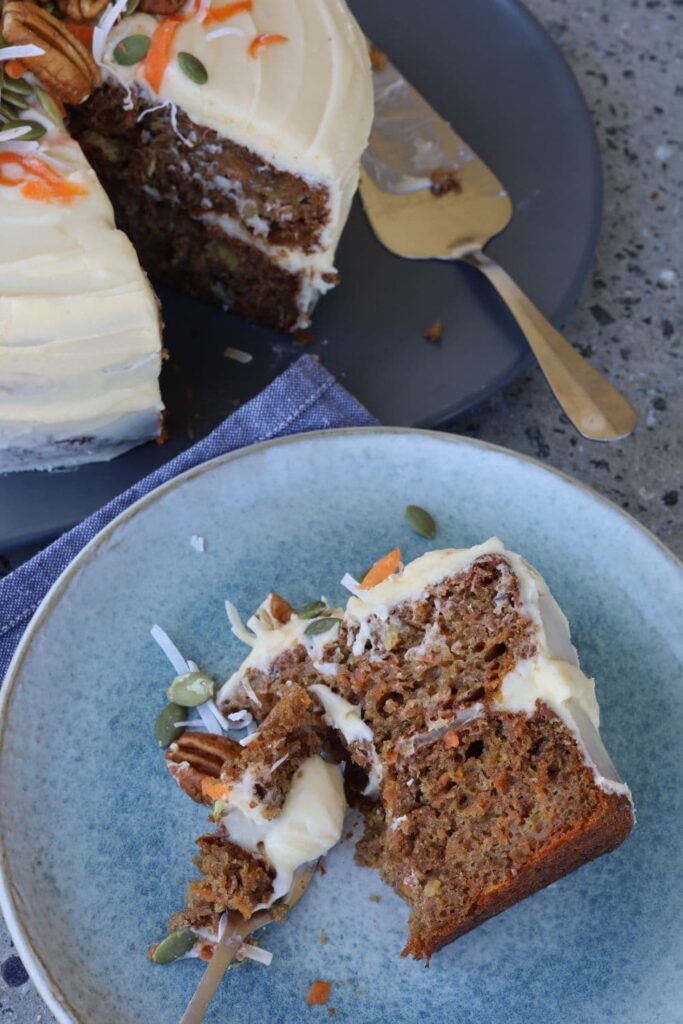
x: 261, y: 956
x: 277, y: 764
x: 19, y: 52
x: 216, y: 33
x: 14, y: 133
x: 237, y: 626
x: 197, y: 543
x: 170, y: 649
x: 104, y: 27
x: 250, y: 691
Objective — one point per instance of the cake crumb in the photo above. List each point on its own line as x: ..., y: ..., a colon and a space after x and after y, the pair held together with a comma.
x: 322, y: 870
x: 304, y: 338
x: 374, y: 898
x: 434, y: 332
x: 331, y: 1012
x: 378, y: 58
x: 323, y: 937
x: 197, y: 543
x: 445, y: 180
x: 319, y: 993
x: 451, y: 739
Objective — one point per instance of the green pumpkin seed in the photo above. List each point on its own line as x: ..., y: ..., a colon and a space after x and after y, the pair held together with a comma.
x: 49, y: 106
x: 131, y: 50
x: 17, y: 86
x: 191, y: 689
x: 174, y: 946
x: 311, y: 610
x: 15, y: 102
x: 131, y: 8
x: 193, y: 68
x: 166, y: 730
x: 319, y: 626
x: 36, y: 130
x: 421, y: 521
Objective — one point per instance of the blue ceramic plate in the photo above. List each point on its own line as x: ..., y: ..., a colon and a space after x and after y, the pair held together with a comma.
x: 96, y: 840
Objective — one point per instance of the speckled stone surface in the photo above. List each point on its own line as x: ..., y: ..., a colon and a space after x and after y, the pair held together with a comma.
x: 628, y: 58
x: 629, y: 62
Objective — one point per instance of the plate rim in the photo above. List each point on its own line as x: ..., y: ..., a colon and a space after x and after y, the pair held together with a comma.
x: 46, y: 986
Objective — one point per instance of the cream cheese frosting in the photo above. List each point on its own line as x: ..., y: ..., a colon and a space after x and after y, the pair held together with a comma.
x: 309, y: 824
x: 80, y: 347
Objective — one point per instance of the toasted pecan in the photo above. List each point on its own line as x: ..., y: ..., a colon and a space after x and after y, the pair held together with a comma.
x: 66, y: 67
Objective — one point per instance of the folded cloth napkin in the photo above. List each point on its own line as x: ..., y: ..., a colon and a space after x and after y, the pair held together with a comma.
x: 305, y: 397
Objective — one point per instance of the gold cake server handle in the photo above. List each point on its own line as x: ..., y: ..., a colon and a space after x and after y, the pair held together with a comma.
x: 595, y: 407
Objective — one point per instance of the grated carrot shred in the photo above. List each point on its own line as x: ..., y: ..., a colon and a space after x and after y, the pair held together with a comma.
x: 319, y: 993
x: 214, y: 788
x: 83, y: 33
x: 382, y: 569
x: 15, y: 68
x: 266, y: 39
x: 226, y: 11
x: 40, y: 181
x: 158, y: 55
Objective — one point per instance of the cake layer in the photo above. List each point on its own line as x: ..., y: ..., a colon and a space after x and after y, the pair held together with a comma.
x: 142, y: 145
x: 80, y: 348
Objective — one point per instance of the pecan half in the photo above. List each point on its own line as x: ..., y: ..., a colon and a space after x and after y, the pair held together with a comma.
x: 160, y: 6
x: 280, y: 609
x: 66, y: 68
x: 196, y: 756
x: 81, y: 10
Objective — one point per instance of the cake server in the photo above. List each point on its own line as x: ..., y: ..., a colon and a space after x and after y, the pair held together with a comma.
x: 233, y: 937
x: 409, y: 142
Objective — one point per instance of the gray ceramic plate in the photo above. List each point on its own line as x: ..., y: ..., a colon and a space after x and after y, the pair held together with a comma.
x: 96, y: 840
x: 490, y: 68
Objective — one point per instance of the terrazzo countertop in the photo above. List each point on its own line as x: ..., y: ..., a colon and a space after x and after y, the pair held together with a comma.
x: 628, y: 58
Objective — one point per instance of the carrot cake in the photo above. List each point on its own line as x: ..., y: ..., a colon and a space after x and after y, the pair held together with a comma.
x: 449, y: 696
x: 228, y: 138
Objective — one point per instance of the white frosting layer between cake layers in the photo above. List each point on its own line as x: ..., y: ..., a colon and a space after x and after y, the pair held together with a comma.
x: 309, y: 824
x: 80, y: 348
x: 552, y: 675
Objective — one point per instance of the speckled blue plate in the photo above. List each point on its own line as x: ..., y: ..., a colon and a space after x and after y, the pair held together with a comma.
x: 96, y: 840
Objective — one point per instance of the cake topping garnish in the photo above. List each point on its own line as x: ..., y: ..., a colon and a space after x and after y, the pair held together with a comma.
x: 131, y: 50
x: 173, y: 947
x: 36, y: 178
x: 226, y: 11
x: 65, y: 66
x: 311, y: 610
x: 382, y: 569
x: 166, y: 729
x: 81, y: 10
x: 193, y: 68
x: 265, y: 39
x: 319, y: 626
x: 421, y: 521
x: 191, y: 689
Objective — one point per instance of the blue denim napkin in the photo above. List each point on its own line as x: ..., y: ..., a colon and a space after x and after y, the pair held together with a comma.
x: 305, y: 397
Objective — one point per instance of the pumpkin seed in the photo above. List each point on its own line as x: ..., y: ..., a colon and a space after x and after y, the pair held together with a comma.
x: 311, y: 610
x: 421, y: 521
x: 49, y: 106
x: 174, y: 946
x: 131, y: 50
x: 36, y: 131
x: 319, y: 626
x: 131, y: 8
x: 17, y: 102
x: 18, y: 86
x: 193, y: 68
x: 166, y: 730
x: 191, y: 689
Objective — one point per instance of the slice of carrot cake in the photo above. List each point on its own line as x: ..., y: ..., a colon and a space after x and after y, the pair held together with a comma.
x: 451, y: 695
